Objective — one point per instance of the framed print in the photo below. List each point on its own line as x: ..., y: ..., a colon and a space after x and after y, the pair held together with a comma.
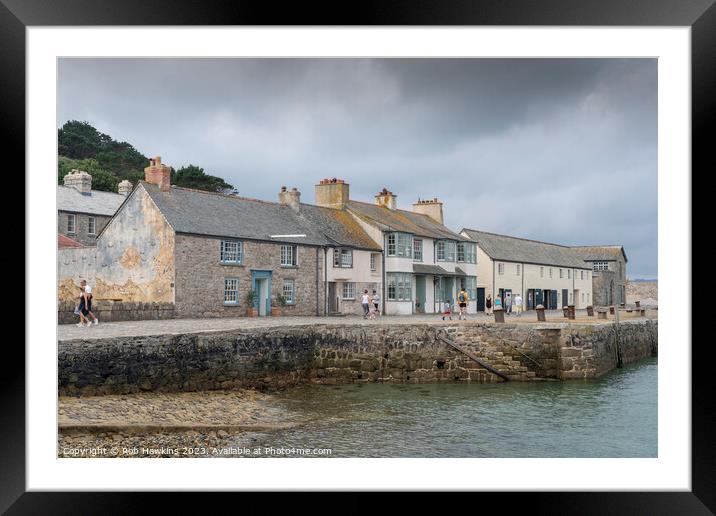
x: 415, y: 250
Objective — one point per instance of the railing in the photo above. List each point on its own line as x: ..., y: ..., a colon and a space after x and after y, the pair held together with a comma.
x: 445, y: 339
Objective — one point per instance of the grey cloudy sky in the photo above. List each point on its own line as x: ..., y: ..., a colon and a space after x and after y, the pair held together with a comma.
x: 560, y: 150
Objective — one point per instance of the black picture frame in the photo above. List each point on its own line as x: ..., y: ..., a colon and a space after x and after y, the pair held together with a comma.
x: 16, y: 15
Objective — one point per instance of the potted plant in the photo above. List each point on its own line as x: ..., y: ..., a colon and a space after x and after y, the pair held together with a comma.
x: 279, y: 300
x: 251, y: 310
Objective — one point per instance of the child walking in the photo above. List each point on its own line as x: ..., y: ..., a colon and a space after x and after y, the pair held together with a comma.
x: 447, y: 310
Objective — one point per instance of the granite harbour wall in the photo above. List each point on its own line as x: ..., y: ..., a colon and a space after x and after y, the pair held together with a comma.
x: 267, y: 358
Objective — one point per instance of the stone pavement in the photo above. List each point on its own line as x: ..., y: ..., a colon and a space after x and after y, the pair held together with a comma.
x: 183, y: 326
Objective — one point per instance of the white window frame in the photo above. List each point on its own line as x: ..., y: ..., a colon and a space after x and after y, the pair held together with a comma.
x: 541, y: 272
x: 600, y: 265
x: 401, y: 284
x: 518, y: 267
x: 372, y: 261
x: 289, y: 290
x: 91, y: 225
x: 73, y: 225
x: 569, y: 273
x: 224, y: 251
x: 231, y: 295
x: 348, y: 290
x: 288, y: 255
x: 342, y: 258
x: 550, y: 273
x: 500, y: 268
x: 561, y: 273
x: 417, y: 249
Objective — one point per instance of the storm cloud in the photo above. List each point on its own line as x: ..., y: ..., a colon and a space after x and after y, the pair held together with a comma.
x: 559, y: 150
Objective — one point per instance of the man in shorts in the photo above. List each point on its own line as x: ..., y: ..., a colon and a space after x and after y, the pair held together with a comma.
x: 462, y: 300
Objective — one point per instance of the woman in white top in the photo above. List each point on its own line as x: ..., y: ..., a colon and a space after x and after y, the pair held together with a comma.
x: 365, y: 301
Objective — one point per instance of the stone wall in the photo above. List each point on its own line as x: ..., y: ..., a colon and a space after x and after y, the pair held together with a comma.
x: 108, y: 311
x: 336, y: 353
x: 200, y: 277
x: 81, y: 232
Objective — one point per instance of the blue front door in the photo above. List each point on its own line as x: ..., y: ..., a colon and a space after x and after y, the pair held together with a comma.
x: 261, y: 285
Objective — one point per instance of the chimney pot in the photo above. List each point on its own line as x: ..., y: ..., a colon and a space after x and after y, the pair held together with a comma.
x: 290, y: 198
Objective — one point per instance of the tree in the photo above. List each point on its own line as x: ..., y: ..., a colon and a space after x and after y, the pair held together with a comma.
x: 101, y: 179
x: 192, y: 176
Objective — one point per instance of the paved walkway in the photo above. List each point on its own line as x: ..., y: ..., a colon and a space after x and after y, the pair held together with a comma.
x: 182, y: 326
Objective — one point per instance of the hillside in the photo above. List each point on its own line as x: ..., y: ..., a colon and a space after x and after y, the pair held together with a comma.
x: 645, y: 291
x: 82, y: 147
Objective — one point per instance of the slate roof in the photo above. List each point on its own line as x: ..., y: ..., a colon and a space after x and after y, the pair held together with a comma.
x: 601, y: 253
x: 436, y: 270
x: 98, y: 203
x: 508, y: 248
x: 402, y: 221
x: 212, y: 214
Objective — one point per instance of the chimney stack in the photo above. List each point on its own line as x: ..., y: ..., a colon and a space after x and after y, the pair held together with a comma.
x: 124, y: 188
x: 332, y: 193
x: 158, y: 174
x: 387, y: 199
x: 291, y: 198
x: 79, y: 180
x: 430, y: 207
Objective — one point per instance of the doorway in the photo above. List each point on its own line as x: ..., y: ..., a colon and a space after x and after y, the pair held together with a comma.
x: 565, y: 297
x: 332, y: 298
x: 420, y: 294
x: 261, y: 284
x: 480, y: 300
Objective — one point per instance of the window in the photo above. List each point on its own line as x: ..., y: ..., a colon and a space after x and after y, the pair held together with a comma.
x: 467, y: 252
x: 587, y: 297
x: 288, y: 255
x: 288, y: 291
x: 569, y: 273
x: 342, y: 258
x: 518, y: 267
x: 400, y: 286
x: 231, y: 251
x: 391, y: 244
x: 621, y: 271
x: 231, y: 291
x: 470, y: 284
x: 349, y: 290
x: 446, y: 250
x: 581, y: 274
x: 600, y: 266
x: 91, y: 225
x: 550, y: 272
x: 372, y: 261
x: 500, y: 268
x: 417, y: 250
x: 587, y: 274
x: 541, y: 272
x: 70, y: 223
x: 561, y: 273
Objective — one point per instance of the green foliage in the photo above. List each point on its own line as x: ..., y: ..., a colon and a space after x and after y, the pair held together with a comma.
x: 101, y: 179
x: 83, y: 147
x: 192, y: 176
x: 281, y: 300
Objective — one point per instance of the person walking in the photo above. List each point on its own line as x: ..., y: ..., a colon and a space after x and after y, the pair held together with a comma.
x: 517, y: 304
x: 488, y: 305
x: 447, y: 310
x: 365, y: 302
x: 462, y: 300
x: 87, y: 293
x: 376, y: 303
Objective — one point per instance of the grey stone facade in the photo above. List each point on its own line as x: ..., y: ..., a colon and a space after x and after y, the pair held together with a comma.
x: 82, y: 222
x: 200, y: 275
x: 609, y: 287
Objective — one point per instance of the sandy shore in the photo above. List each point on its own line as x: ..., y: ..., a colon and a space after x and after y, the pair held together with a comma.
x: 188, y: 424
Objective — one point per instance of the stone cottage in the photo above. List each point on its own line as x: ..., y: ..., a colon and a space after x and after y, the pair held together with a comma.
x: 82, y: 213
x: 608, y: 264
x: 207, y: 253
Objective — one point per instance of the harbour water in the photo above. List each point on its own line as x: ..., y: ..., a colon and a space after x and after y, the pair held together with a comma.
x: 613, y: 416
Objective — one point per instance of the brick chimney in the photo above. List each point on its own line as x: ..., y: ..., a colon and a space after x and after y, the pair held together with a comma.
x: 291, y: 198
x: 332, y: 193
x: 124, y: 188
x: 79, y: 180
x: 158, y: 174
x: 430, y: 207
x: 386, y: 198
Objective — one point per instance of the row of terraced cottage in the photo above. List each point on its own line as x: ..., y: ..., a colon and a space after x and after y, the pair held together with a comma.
x: 209, y: 254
